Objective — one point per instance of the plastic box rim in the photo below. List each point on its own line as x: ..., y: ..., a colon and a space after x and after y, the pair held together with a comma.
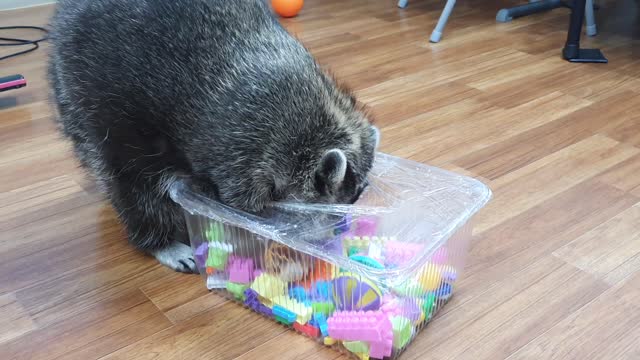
x: 217, y: 211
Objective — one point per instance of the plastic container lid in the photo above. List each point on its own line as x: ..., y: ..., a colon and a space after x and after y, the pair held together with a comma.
x: 417, y: 205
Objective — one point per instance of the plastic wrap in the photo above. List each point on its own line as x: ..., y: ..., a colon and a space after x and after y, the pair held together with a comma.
x: 364, y: 277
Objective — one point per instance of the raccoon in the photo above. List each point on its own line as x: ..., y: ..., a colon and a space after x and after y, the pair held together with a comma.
x: 213, y: 91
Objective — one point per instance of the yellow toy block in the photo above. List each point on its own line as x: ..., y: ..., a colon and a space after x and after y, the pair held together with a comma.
x: 269, y: 286
x: 302, y: 312
x: 329, y: 341
x: 431, y: 277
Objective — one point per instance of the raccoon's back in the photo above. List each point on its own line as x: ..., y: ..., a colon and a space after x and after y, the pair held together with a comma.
x: 129, y: 53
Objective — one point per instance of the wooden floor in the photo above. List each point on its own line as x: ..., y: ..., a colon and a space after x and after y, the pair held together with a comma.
x: 554, y: 269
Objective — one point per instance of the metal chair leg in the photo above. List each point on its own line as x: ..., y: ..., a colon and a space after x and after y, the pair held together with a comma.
x: 436, y: 35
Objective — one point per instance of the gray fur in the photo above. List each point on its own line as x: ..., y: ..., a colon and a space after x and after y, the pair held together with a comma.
x: 213, y: 90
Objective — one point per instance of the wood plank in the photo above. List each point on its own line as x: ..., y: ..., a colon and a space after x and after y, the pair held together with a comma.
x: 463, y: 313
x: 534, y: 84
x: 623, y: 176
x: 32, y: 114
x: 85, y: 328
x: 33, y: 202
x: 536, y: 233
x: 180, y: 297
x: 387, y: 112
x: 478, y: 59
x: 515, y: 318
x: 194, y: 307
x: 627, y: 131
x: 76, y: 244
x: 88, y: 287
x: 485, y: 128
x: 290, y: 345
x: 482, y: 58
x: 603, y: 329
x: 519, y: 190
x: 606, y: 86
x: 224, y: 332
x: 118, y: 339
x: 534, y: 318
x: 522, y: 149
x: 606, y: 248
x: 15, y: 319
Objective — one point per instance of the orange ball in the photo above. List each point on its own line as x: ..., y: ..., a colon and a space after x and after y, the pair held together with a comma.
x: 287, y: 8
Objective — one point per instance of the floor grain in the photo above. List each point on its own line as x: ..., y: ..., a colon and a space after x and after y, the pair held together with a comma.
x: 554, y: 268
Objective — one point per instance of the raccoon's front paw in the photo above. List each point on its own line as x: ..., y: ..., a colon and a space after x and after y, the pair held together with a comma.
x: 178, y: 257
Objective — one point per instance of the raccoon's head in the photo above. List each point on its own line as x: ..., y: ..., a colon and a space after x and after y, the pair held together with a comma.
x: 337, y: 175
x: 284, y: 132
x: 319, y: 150
x: 331, y: 157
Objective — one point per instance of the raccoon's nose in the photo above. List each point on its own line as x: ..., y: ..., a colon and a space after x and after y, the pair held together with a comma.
x: 361, y: 189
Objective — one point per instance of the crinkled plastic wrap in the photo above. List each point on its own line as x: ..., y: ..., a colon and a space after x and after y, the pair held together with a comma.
x: 365, y: 278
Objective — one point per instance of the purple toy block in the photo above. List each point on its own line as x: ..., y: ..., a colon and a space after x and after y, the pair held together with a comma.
x: 440, y: 256
x: 200, y: 255
x: 343, y: 225
x: 263, y: 309
x: 410, y: 309
x: 366, y: 226
x: 351, y: 294
x: 405, y: 307
x: 373, y: 327
x: 251, y: 294
x: 399, y: 253
x: 449, y: 276
x: 240, y: 269
x: 252, y: 301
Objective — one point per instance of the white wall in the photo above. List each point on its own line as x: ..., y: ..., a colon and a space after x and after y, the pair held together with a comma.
x: 16, y: 4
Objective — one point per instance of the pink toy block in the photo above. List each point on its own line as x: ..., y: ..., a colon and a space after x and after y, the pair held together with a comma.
x: 440, y: 256
x: 240, y: 270
x: 390, y: 306
x: 373, y: 327
x: 399, y: 253
x: 365, y: 226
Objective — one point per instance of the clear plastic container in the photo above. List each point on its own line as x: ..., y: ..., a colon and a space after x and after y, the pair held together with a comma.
x: 365, y: 278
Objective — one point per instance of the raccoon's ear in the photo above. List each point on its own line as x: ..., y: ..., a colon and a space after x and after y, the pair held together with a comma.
x: 332, y: 169
x: 376, y: 137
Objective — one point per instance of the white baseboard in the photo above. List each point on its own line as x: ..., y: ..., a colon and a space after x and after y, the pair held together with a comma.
x: 17, y: 4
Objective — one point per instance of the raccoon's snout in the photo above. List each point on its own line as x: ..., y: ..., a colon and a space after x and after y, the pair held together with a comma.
x: 359, y: 192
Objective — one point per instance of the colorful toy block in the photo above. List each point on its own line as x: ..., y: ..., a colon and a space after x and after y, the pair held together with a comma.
x: 373, y: 327
x: 307, y: 329
x: 240, y: 270
x: 269, y: 286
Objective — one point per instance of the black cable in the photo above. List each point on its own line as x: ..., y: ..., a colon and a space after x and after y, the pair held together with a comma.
x: 35, y: 44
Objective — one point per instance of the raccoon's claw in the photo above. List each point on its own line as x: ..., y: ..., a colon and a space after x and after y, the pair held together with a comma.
x: 178, y: 257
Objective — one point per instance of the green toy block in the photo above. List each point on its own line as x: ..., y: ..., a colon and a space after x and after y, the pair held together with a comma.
x: 401, y: 331
x: 359, y: 347
x: 215, y: 232
x: 353, y: 251
x: 428, y: 304
x: 410, y: 288
x: 237, y: 289
x: 218, y: 255
x: 282, y: 320
x: 325, y: 308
